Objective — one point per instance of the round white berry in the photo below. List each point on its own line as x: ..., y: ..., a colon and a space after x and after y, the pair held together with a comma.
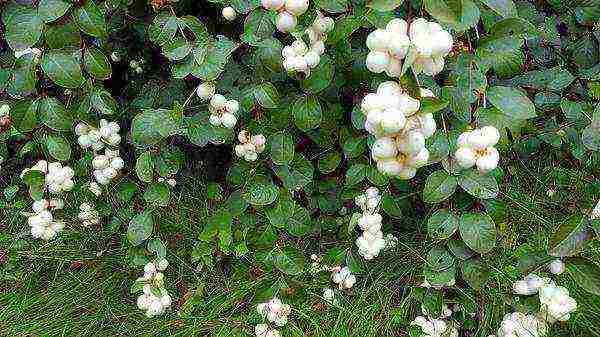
x: 377, y: 61
x: 218, y: 101
x: 286, y: 22
x: 229, y: 13
x: 296, y: 7
x: 205, y: 90
x: 229, y: 120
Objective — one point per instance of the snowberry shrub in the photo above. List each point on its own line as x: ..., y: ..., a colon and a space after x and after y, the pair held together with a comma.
x: 392, y: 142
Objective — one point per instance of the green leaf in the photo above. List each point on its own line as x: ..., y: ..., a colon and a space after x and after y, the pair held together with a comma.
x: 10, y: 192
x: 53, y: 114
x: 163, y: 28
x: 354, y: 147
x: 144, y: 167
x: 375, y: 177
x: 63, y: 68
x: 307, y: 113
x: 153, y: 125
x: 289, y: 260
x: 261, y: 191
x: 329, y: 162
x: 442, y: 224
x: 58, y: 147
x: 103, y: 102
x: 157, y: 247
x: 195, y: 26
x: 392, y: 206
x: 258, y: 26
x: 320, y: 77
x: 573, y: 111
x: 344, y: 27
x: 157, y: 194
x: 334, y: 6
x: 62, y: 35
x: 51, y: 10
x: 24, y: 115
x: 282, y: 148
x: 590, y: 137
x: 468, y: 19
x: 439, y: 259
x: 469, y: 79
x: 431, y: 105
x: 125, y: 191
x: 475, y: 273
x: 504, y: 8
x: 297, y: 174
x: 554, y: 79
x: 90, y: 19
x: 514, y: 27
x: 217, y: 54
x: 266, y: 95
x: 512, y: 102
x: 244, y: 6
x: 385, y: 5
x: 500, y: 120
x: 140, y: 228
x: 292, y: 217
x: 482, y: 186
x: 176, y: 49
x: 570, y: 237
x: 439, y: 186
x: 478, y: 232
x: 34, y: 178
x: 445, y: 11
x: 282, y: 212
x: 96, y: 63
x: 23, y: 27
x: 585, y: 273
x: 355, y: 174
x: 502, y: 54
x: 22, y: 80
x: 459, y: 249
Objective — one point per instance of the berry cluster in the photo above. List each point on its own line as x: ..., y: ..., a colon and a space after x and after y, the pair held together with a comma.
x: 555, y: 305
x: 274, y: 311
x: 106, y: 166
x: 429, y: 42
x: 432, y: 327
x: 476, y: 148
x: 170, y: 181
x: 95, y: 188
x: 136, y: 65
x: 250, y: 146
x: 298, y: 56
x: 90, y: 137
x: 222, y: 111
x: 343, y: 277
x: 288, y: 12
x: 518, y: 324
x: 392, y: 116
x: 329, y: 295
x: 155, y: 298
x: 88, y: 215
x: 42, y: 222
x: 371, y: 242
x: 58, y: 178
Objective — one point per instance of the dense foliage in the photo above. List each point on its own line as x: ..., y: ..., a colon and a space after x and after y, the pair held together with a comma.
x: 295, y: 168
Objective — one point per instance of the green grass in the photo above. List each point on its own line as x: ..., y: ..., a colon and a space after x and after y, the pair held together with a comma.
x: 78, y: 285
